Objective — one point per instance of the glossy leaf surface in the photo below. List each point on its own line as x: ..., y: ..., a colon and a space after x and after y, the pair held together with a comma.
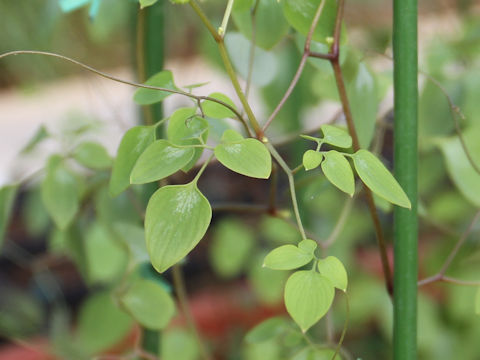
x: 376, y: 176
x: 311, y: 159
x: 288, y: 257
x: 338, y: 171
x: 185, y: 128
x: 216, y: 110
x: 308, y: 296
x: 159, y: 160
x: 133, y: 143
x: 248, y: 157
x: 336, y: 136
x: 333, y: 269
x: 163, y: 79
x: 176, y: 219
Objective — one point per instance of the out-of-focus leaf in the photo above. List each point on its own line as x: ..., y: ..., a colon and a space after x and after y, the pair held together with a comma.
x: 149, y: 304
x: 60, y: 192
x: 230, y: 248
x: 459, y: 167
x: 178, y: 344
x: 7, y: 197
x: 101, y: 324
x: 265, y: 66
x: 271, y: 25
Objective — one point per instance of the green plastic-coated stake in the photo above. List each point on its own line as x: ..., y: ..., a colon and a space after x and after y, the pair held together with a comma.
x: 406, y: 223
x: 150, y: 38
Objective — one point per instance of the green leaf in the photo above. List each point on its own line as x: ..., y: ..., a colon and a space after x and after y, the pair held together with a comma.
x: 92, y: 155
x: 149, y: 304
x: 311, y: 159
x: 300, y: 13
x: 362, y: 94
x: 267, y: 330
x: 178, y: 344
x: 288, y: 257
x: 459, y: 168
x: 248, y: 157
x: 333, y: 270
x: 60, y: 192
x: 477, y: 302
x: 184, y: 128
x: 265, y: 64
x: 338, y: 171
x: 267, y: 284
x: 146, y: 3
x: 7, y: 197
x: 271, y: 26
x: 133, y: 236
x: 308, y: 296
x: 159, y: 160
x: 176, y: 219
x: 133, y: 143
x: 40, y: 135
x: 179, y: 1
x: 216, y: 110
x: 101, y: 324
x: 376, y: 176
x: 163, y: 79
x: 336, y: 136
x: 279, y: 231
x: 106, y: 258
x: 230, y: 248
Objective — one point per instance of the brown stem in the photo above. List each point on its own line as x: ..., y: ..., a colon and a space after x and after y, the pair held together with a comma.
x: 301, y: 66
x: 342, y: 91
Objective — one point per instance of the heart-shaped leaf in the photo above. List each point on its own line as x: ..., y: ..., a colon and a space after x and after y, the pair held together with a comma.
x: 176, y: 219
x: 248, y: 157
x: 159, y: 160
x: 308, y: 296
x: 149, y: 304
x: 333, y: 270
x: 376, y: 176
x: 218, y: 111
x: 336, y: 136
x: 133, y: 143
x: 338, y: 171
x: 288, y: 257
x: 185, y: 128
x: 163, y: 79
x: 311, y: 159
x: 92, y: 155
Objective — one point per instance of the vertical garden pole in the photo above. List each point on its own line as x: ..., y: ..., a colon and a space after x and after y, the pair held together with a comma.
x: 150, y: 58
x: 405, y: 133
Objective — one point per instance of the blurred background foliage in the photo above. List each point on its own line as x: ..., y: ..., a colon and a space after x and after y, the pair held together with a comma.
x: 52, y: 278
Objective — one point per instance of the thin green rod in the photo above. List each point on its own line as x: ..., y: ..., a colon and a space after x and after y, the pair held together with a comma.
x: 406, y: 163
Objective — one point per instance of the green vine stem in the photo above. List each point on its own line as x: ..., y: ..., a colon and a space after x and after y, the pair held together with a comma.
x: 229, y: 68
x: 405, y: 166
x: 291, y: 183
